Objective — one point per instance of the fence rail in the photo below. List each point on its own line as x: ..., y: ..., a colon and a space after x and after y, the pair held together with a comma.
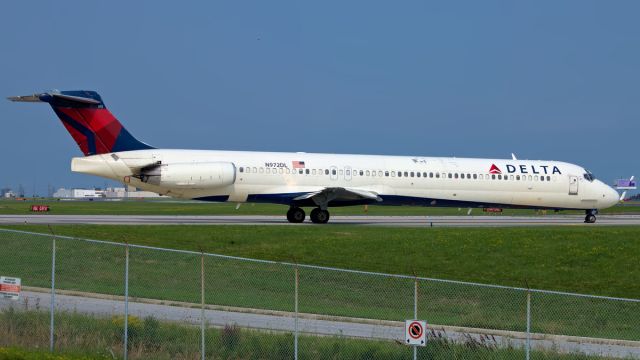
x: 135, y: 301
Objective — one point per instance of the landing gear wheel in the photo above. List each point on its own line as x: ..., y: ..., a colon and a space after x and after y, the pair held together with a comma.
x: 319, y: 216
x: 590, y: 219
x: 295, y: 215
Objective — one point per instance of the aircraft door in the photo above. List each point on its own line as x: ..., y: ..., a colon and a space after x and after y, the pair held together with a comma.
x: 347, y: 173
x: 333, y: 173
x: 573, y: 185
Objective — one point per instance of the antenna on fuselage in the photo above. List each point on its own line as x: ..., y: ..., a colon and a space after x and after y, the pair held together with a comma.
x: 513, y: 156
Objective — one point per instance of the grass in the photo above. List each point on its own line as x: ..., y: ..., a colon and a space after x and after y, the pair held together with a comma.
x: 164, y: 207
x: 153, y: 339
x: 594, y: 260
x: 559, y: 257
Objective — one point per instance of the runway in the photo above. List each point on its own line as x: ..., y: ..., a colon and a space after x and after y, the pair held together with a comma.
x: 405, y: 221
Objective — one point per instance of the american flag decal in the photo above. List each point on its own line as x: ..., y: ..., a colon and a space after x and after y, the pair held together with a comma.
x: 298, y: 164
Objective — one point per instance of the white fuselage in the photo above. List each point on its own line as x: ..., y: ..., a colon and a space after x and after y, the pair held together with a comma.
x: 242, y: 176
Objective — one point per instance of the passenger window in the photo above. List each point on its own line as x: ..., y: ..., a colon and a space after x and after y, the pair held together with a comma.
x: 450, y: 175
x: 340, y: 172
x: 475, y: 176
x: 510, y: 177
x: 393, y: 174
x: 548, y: 178
x: 268, y: 170
x: 326, y: 171
x: 261, y: 170
x: 307, y: 171
x: 255, y: 170
x: 535, y: 178
x: 541, y: 178
x: 380, y: 173
x: 412, y: 174
x: 517, y: 177
x: 399, y: 173
x: 333, y: 171
x: 455, y: 175
x: 347, y: 172
x: 386, y: 173
x: 248, y: 170
x: 418, y: 174
x: 313, y: 172
x: 368, y: 173
x: 530, y: 178
x: 506, y: 177
x: 373, y: 173
x: 493, y: 176
x: 241, y: 169
x: 499, y: 177
x: 288, y: 171
x: 300, y: 172
x: 406, y: 174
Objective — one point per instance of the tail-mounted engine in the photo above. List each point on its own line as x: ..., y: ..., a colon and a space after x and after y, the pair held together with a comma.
x: 189, y: 175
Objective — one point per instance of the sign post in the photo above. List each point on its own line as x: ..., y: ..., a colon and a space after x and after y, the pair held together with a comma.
x: 415, y: 332
x: 9, y: 288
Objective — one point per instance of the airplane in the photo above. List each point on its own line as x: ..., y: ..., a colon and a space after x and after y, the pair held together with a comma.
x: 319, y: 181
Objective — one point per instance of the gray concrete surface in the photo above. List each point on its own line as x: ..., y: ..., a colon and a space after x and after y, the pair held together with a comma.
x: 98, y: 305
x: 410, y: 221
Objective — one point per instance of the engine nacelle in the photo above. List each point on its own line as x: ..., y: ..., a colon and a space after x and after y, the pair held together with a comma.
x: 190, y: 175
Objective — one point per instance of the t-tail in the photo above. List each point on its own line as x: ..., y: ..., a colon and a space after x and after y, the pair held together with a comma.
x: 92, y: 126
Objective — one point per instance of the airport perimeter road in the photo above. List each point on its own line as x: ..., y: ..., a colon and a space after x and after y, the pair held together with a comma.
x: 410, y: 221
x: 99, y: 305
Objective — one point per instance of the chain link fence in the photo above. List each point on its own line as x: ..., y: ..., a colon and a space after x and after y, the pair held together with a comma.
x: 130, y: 301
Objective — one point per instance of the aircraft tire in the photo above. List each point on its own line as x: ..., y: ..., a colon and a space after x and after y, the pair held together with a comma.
x: 590, y: 219
x: 296, y: 215
x: 319, y: 216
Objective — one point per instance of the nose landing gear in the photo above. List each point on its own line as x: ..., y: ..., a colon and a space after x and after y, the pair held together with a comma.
x: 590, y: 218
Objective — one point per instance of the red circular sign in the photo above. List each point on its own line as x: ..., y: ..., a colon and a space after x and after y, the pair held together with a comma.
x: 415, y: 330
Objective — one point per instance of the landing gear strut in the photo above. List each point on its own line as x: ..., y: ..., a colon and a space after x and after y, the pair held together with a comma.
x: 590, y: 218
x: 319, y: 216
x: 296, y: 215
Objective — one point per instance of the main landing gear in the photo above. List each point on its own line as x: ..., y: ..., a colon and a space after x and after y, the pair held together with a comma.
x: 590, y: 218
x: 297, y: 215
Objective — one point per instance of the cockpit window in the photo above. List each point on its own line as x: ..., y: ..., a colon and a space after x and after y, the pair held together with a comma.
x: 589, y: 176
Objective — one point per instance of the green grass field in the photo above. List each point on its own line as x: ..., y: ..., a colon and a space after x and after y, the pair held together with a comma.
x: 599, y: 260
x: 164, y: 207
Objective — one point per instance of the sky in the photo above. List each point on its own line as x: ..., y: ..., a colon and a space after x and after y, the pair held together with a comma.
x: 554, y: 80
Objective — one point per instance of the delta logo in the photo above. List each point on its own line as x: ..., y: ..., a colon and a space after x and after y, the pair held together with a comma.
x: 526, y: 169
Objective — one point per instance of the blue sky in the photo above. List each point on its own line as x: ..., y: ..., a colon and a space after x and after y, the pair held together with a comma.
x: 544, y: 79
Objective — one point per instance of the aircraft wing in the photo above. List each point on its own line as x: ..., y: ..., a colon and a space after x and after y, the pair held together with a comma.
x: 324, y: 196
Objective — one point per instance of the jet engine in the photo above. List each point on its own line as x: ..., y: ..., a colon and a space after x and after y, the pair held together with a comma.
x: 189, y: 175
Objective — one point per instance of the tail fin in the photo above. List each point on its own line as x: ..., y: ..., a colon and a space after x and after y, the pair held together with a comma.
x: 92, y: 126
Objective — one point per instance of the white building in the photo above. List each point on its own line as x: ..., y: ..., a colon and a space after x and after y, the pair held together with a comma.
x: 111, y: 193
x: 78, y: 193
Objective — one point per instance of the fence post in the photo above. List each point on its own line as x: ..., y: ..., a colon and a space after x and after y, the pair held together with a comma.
x: 53, y: 291
x: 202, y: 346
x: 295, y: 339
x: 528, y: 346
x: 126, y: 300
x: 415, y: 312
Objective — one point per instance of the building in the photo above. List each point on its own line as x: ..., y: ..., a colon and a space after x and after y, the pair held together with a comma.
x: 109, y: 193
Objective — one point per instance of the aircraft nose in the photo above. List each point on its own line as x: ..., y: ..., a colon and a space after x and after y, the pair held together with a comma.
x: 610, y: 196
